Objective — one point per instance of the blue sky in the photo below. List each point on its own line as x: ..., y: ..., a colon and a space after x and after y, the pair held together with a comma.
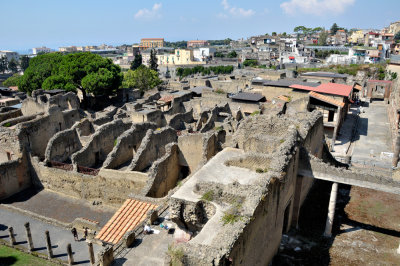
x: 53, y: 23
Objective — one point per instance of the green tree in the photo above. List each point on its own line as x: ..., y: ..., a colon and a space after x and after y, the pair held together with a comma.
x: 137, y: 62
x: 3, y: 64
x: 219, y: 54
x: 323, y: 36
x: 284, y: 34
x: 397, y: 36
x: 24, y: 62
x: 153, y: 60
x: 40, y: 68
x: 12, y: 81
x: 334, y: 28
x: 86, y: 72
x: 299, y: 29
x: 232, y: 54
x: 142, y: 78
x: 274, y: 33
x: 13, y: 66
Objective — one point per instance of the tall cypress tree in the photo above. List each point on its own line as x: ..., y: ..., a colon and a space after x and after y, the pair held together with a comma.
x: 153, y: 60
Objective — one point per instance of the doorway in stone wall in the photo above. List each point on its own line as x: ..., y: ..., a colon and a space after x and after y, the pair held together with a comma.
x: 286, y: 218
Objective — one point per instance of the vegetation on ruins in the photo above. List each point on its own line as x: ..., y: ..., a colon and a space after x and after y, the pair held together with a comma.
x: 176, y: 255
x: 250, y: 62
x: 255, y: 113
x: 137, y: 62
x: 11, y: 256
x: 142, y: 78
x: 87, y: 72
x: 219, y: 91
x: 219, y: 54
x: 208, y: 196
x: 351, y: 69
x: 232, y: 215
x: 184, y: 72
x: 12, y: 81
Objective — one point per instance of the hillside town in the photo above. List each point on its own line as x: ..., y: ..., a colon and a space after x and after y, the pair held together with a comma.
x: 275, y: 149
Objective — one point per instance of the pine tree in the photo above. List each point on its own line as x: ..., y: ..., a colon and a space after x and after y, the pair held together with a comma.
x: 334, y: 28
x: 13, y: 66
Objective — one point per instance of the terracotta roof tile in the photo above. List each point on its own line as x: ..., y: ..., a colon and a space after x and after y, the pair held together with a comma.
x: 326, y: 99
x: 328, y: 88
x: 167, y: 98
x: 129, y: 215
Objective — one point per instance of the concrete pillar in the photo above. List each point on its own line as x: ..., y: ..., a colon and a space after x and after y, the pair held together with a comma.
x: 11, y: 234
x: 338, y: 118
x: 396, y: 151
x: 331, y: 211
x: 70, y: 257
x: 48, y: 245
x: 91, y: 253
x: 29, y: 236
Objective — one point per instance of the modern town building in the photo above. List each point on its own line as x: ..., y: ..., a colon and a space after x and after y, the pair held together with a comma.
x: 9, y: 54
x: 146, y: 43
x: 197, y: 43
x: 42, y: 49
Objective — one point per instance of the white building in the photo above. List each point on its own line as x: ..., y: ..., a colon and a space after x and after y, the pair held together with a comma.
x: 42, y: 49
x: 10, y: 55
x: 201, y: 54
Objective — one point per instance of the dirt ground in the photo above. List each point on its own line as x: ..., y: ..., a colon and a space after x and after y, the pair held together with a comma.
x: 366, y: 229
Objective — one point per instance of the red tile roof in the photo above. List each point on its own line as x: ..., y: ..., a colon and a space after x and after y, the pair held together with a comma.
x: 131, y: 213
x: 326, y: 99
x: 379, y: 81
x: 167, y: 98
x: 327, y: 88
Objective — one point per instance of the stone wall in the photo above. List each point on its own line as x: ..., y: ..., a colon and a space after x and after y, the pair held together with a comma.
x: 109, y: 186
x: 101, y: 143
x: 62, y: 145
x: 178, y: 121
x: 164, y: 173
x: 10, y: 114
x: 14, y: 177
x: 152, y: 148
x: 127, y: 145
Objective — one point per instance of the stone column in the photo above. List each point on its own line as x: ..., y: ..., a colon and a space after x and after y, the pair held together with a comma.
x: 338, y: 119
x: 396, y: 151
x: 331, y: 211
x: 91, y: 253
x: 29, y: 236
x: 70, y: 257
x: 48, y: 245
x: 11, y: 234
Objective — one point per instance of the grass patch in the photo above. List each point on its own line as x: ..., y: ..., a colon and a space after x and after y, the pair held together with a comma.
x: 115, y: 142
x: 281, y: 141
x: 176, y: 255
x: 219, y: 91
x: 10, y: 256
x: 233, y: 214
x: 255, y: 113
x: 8, y: 124
x: 218, y: 128
x: 208, y: 196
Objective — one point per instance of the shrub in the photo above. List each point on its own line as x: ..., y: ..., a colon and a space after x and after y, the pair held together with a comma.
x: 250, y: 62
x: 176, y: 255
x: 255, y: 113
x: 8, y: 124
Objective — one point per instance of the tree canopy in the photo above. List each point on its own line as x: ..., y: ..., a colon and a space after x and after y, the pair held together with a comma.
x: 334, y: 28
x: 142, y: 78
x: 137, y: 62
x: 13, y: 65
x: 3, y: 64
x: 24, y: 62
x: 12, y: 81
x: 153, y: 60
x: 87, y: 72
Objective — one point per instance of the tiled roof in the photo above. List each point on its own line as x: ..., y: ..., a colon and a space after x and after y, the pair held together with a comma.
x: 327, y: 88
x: 326, y: 99
x: 131, y: 213
x: 167, y: 98
x: 251, y: 97
x: 379, y: 81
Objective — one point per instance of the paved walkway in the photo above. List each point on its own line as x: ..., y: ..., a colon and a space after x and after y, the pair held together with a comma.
x: 59, y: 207
x: 60, y: 237
x: 373, y: 137
x: 343, y: 140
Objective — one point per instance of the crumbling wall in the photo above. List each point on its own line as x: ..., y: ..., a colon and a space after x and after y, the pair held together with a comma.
x: 14, y: 177
x: 62, y: 145
x: 100, y: 145
x: 127, y: 145
x: 41, y: 102
x: 84, y: 127
x: 164, y: 173
x: 109, y: 186
x: 35, y: 134
x: 178, y: 121
x: 10, y: 114
x: 152, y: 148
